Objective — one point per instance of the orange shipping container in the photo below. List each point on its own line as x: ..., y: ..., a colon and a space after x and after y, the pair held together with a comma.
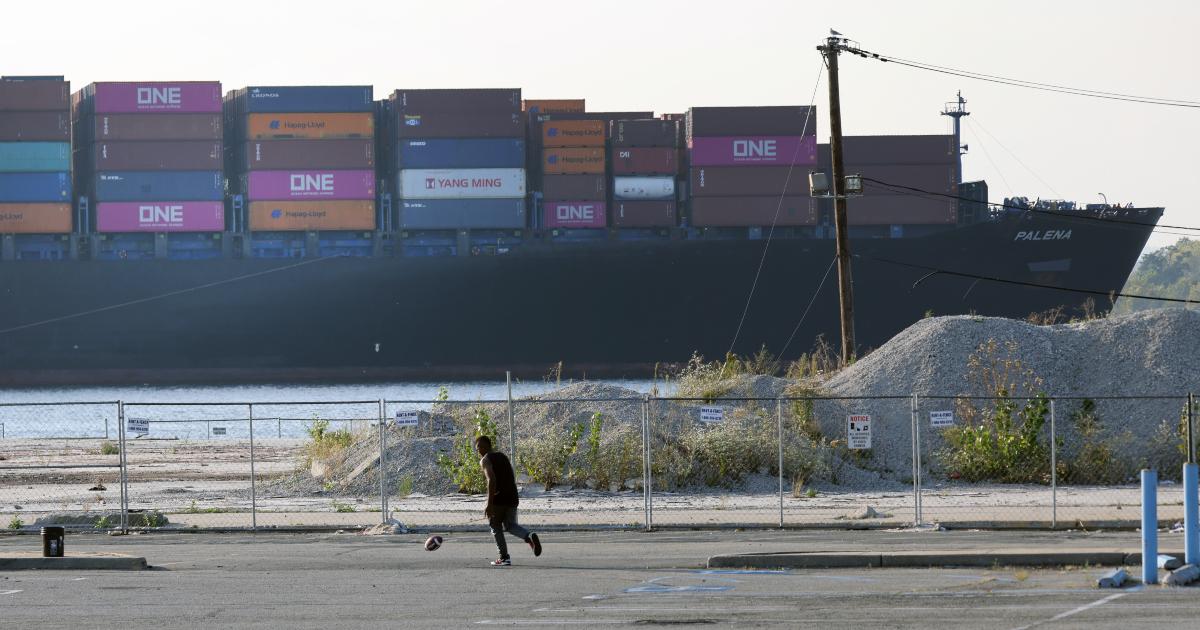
x: 291, y: 216
x: 573, y: 161
x: 314, y: 126
x: 573, y: 133
x: 35, y: 218
x: 553, y: 106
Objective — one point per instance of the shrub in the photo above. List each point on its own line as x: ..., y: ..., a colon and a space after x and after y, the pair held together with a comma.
x: 325, y: 445
x: 108, y: 448
x: 405, y: 487
x: 16, y: 523
x: 462, y: 465
x: 545, y: 460
x: 104, y: 522
x: 1094, y: 461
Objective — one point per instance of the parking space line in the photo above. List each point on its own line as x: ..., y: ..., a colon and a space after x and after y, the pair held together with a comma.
x: 1064, y: 615
x: 12, y: 592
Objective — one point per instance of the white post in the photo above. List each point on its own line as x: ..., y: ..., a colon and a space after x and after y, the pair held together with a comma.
x: 779, y: 422
x: 124, y: 462
x: 650, y: 463
x: 253, y: 481
x: 1053, y: 469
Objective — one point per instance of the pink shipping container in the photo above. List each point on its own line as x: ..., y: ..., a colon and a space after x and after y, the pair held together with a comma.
x: 297, y: 185
x: 754, y: 151
x: 156, y: 97
x: 160, y: 216
x: 574, y: 214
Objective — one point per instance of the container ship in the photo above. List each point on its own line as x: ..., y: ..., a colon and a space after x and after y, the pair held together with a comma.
x: 169, y: 232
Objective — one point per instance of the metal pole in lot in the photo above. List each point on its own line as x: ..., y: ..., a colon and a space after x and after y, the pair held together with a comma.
x: 383, y: 497
x: 920, y: 468
x: 512, y: 431
x: 253, y: 486
x: 779, y: 422
x: 645, y: 466
x: 124, y: 463
x: 650, y: 462
x: 1053, y: 468
x: 912, y: 409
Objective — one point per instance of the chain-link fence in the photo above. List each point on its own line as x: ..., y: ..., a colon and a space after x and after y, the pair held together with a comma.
x: 598, y: 462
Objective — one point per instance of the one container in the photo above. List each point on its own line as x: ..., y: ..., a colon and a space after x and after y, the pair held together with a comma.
x: 454, y: 214
x: 177, y: 155
x: 644, y: 133
x: 53, y: 542
x: 310, y: 125
x: 164, y: 127
x: 35, y: 126
x: 304, y: 185
x: 460, y: 153
x: 574, y: 214
x: 652, y: 187
x: 645, y: 160
x: 572, y: 160
x: 647, y: 214
x: 160, y: 216
x: 29, y: 94
x: 35, y: 187
x: 573, y: 133
x: 787, y: 120
x: 901, y: 210
x: 315, y: 98
x: 554, y: 106
x: 35, y: 218
x: 155, y: 185
x: 569, y: 187
x: 753, y: 211
x: 754, y: 151
x: 458, y: 125
x: 457, y: 100
x: 474, y: 183
x: 738, y: 181
x: 285, y: 216
x: 279, y: 155
x: 34, y: 157
x: 158, y: 97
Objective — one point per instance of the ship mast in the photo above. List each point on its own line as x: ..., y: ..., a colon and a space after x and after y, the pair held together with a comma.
x: 833, y: 46
x: 957, y: 110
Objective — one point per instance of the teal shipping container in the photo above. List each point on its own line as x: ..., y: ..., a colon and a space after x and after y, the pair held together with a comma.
x: 35, y: 157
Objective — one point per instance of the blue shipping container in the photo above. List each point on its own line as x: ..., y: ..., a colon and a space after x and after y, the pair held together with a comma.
x: 34, y: 157
x: 317, y: 98
x: 160, y: 186
x: 454, y: 214
x: 35, y: 187
x: 455, y: 153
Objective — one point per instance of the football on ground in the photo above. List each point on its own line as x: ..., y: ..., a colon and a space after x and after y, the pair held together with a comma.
x: 432, y: 543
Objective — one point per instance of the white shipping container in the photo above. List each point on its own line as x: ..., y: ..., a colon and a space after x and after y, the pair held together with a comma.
x: 467, y: 183
x: 644, y: 187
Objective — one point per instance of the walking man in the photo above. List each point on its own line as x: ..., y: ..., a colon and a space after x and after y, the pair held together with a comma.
x: 502, y: 501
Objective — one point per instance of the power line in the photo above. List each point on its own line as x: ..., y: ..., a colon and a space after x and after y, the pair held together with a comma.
x: 809, y: 307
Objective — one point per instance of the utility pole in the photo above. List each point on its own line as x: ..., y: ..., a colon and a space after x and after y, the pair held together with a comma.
x: 830, y: 50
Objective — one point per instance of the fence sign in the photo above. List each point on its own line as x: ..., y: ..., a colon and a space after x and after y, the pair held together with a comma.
x: 139, y: 426
x: 941, y: 419
x: 858, y: 432
x: 218, y: 430
x: 712, y: 414
x: 407, y: 418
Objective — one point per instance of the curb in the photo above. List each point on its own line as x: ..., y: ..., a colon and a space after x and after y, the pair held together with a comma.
x: 923, y: 559
x: 74, y: 563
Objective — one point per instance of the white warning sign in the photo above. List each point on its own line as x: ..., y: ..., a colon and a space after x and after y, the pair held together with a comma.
x: 712, y: 414
x: 219, y: 431
x: 858, y: 432
x: 407, y: 418
x: 941, y: 419
x: 138, y: 426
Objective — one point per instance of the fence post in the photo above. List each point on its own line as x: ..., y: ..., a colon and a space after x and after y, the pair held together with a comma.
x: 253, y: 481
x: 912, y: 419
x: 512, y: 431
x: 779, y: 421
x: 1053, y: 468
x: 650, y: 462
x: 383, y: 496
x: 105, y: 429
x: 124, y: 463
x: 645, y: 464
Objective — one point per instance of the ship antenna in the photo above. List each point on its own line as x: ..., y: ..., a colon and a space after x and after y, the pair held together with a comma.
x: 956, y: 110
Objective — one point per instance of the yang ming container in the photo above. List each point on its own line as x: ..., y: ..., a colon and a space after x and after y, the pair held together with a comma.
x: 160, y: 216
x: 572, y: 160
x: 291, y: 216
x: 644, y: 214
x: 309, y: 154
x: 154, y: 97
x: 34, y: 94
x: 739, y: 181
x: 456, y: 214
x: 165, y: 127
x: 656, y: 187
x: 457, y: 100
x: 753, y: 211
x: 35, y: 218
x: 574, y: 214
x: 569, y: 187
x: 477, y: 183
x: 458, y: 125
x: 159, y: 185
x: 303, y: 185
x: 784, y: 120
x: 180, y: 155
x: 35, y: 127
x: 310, y: 125
x: 460, y: 153
x: 17, y: 157
x: 35, y: 187
x: 317, y: 98
x: 644, y: 133
x: 645, y: 160
x: 754, y: 151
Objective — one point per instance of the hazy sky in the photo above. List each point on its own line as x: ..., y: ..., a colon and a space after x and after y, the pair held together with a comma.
x: 669, y: 55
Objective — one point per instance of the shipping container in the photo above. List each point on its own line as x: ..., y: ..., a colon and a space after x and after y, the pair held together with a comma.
x: 753, y: 211
x: 156, y: 185
x: 553, y: 106
x: 158, y: 127
x: 784, y: 120
x: 460, y: 153
x: 309, y: 126
x: 574, y: 214
x: 34, y: 157
x: 934, y: 178
x: 160, y: 216
x: 652, y: 187
x: 754, y: 151
x: 457, y: 100
x: 639, y: 214
x: 644, y: 133
x: 645, y: 160
x: 901, y: 210
x: 297, y: 185
x: 568, y: 187
x: 458, y: 125
x: 35, y: 187
x: 34, y: 94
x: 183, y: 97
x: 456, y: 214
x: 572, y: 160
x: 35, y: 126
x: 35, y: 218
x: 290, y: 216
x: 894, y: 150
x: 280, y: 155
x: 177, y: 155
x: 472, y: 183
x: 573, y: 133
x: 304, y: 98
x: 739, y: 181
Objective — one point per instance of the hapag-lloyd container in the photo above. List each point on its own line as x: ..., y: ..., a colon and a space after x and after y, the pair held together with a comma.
x: 472, y: 183
x: 164, y: 127
x: 573, y: 160
x: 645, y: 160
x: 155, y: 185
x: 655, y: 187
x: 304, y: 98
x: 290, y: 216
x: 574, y: 133
x: 35, y: 187
x: 307, y: 185
x: 279, y: 155
x: 454, y: 214
x: 35, y: 218
x: 160, y: 216
x: 574, y: 214
x: 753, y: 211
x: 568, y: 187
x: 460, y: 153
x: 34, y: 94
x: 157, y: 97
x: 310, y: 125
x: 178, y: 155
x: 754, y: 151
x: 644, y: 214
x: 34, y: 157
x: 438, y: 124
x: 553, y: 105
x: 35, y: 127
x: 738, y: 181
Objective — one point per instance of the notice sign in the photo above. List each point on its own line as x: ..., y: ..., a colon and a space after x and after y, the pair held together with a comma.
x: 712, y: 414
x: 858, y: 432
x: 407, y: 418
x: 138, y: 426
x: 218, y: 430
x: 941, y: 419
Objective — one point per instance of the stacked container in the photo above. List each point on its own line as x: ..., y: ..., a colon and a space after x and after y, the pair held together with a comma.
x: 645, y: 163
x: 303, y: 157
x: 35, y: 156
x: 148, y: 155
x: 925, y: 162
x: 749, y: 166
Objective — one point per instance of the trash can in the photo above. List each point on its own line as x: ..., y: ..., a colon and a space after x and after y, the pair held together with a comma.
x: 52, y: 542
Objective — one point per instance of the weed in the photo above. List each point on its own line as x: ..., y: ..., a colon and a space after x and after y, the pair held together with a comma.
x: 810, y: 493
x: 1095, y: 461
x: 108, y: 448
x: 405, y: 487
x: 104, y: 522
x: 194, y: 509
x: 328, y: 486
x: 342, y: 508
x: 462, y: 465
x: 16, y: 523
x: 545, y: 461
x: 443, y: 394
x: 148, y: 519
x: 325, y: 445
